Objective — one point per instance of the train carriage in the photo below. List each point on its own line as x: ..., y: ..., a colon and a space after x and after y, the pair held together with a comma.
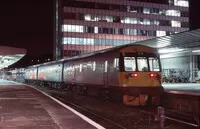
x: 30, y: 74
x: 50, y: 74
x: 131, y: 73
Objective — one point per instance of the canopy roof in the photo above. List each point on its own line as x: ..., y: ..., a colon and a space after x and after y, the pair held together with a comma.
x: 183, y: 39
x: 10, y: 55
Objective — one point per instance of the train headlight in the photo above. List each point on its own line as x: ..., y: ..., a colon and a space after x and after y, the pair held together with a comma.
x: 133, y: 74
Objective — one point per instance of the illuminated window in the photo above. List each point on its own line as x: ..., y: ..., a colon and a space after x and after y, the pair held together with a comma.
x: 106, y: 66
x: 94, y: 66
x: 71, y: 40
x: 182, y: 3
x: 87, y: 17
x: 176, y: 23
x: 146, y: 22
x: 116, y: 62
x: 173, y: 13
x: 160, y: 33
x: 72, y: 28
x: 146, y: 10
x: 154, y: 64
x: 129, y: 20
x: 81, y: 67
x: 142, y: 64
x: 133, y: 32
x: 129, y: 63
x: 155, y: 22
x: 95, y: 29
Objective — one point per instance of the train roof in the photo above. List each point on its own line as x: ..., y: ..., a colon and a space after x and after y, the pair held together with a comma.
x: 90, y: 54
x: 103, y: 51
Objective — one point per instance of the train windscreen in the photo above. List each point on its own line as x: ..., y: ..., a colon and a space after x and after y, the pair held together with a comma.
x: 141, y: 63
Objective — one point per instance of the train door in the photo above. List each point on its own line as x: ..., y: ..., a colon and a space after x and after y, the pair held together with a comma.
x: 105, y: 73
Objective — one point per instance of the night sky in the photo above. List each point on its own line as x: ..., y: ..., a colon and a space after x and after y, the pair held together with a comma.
x: 194, y: 14
x: 29, y: 24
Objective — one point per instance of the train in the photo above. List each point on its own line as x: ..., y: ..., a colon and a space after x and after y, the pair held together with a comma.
x: 130, y: 74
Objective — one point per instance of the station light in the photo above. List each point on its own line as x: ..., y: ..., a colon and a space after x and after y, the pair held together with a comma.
x: 169, y: 50
x: 195, y: 50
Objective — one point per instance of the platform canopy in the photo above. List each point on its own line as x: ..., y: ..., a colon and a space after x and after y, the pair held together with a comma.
x: 182, y: 39
x: 10, y: 55
x: 184, y: 43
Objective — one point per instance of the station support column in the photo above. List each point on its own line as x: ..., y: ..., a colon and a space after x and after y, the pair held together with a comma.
x: 193, y: 68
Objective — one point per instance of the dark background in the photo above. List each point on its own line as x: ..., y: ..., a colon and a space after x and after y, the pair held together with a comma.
x: 194, y: 14
x: 29, y: 24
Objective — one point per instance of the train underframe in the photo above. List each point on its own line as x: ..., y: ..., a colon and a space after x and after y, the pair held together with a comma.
x: 133, y: 96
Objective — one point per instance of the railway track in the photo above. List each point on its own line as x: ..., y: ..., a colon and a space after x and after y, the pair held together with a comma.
x: 139, y: 118
x: 92, y: 115
x: 109, y: 115
x: 183, y: 118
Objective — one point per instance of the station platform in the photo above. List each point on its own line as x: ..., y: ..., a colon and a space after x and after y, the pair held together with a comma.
x: 24, y: 107
x: 182, y: 88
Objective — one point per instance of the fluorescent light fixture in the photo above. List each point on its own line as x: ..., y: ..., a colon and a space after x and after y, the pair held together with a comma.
x: 170, y: 55
x: 169, y: 50
x: 195, y: 50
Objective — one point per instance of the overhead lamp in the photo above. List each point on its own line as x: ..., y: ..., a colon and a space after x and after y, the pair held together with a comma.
x: 195, y: 50
x: 169, y: 50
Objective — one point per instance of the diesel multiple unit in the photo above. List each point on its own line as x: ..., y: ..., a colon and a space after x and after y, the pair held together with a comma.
x: 129, y: 73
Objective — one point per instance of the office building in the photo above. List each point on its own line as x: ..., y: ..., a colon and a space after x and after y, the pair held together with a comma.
x: 83, y: 26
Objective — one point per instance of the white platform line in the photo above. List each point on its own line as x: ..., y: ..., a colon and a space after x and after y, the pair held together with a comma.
x: 71, y: 109
x: 12, y: 98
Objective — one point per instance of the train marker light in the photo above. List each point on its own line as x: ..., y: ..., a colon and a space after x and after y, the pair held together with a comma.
x: 153, y: 74
x: 133, y: 74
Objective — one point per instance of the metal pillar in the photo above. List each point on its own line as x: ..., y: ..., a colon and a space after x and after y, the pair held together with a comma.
x: 161, y: 117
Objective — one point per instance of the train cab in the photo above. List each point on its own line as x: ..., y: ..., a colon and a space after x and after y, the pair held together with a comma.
x: 140, y: 75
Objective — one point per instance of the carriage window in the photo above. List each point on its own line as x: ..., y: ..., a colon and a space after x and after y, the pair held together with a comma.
x: 106, y: 66
x: 80, y: 67
x: 94, y: 66
x: 154, y: 64
x: 129, y: 63
x: 116, y: 63
x: 142, y: 64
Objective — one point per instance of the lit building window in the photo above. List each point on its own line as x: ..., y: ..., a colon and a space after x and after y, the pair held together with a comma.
x: 146, y: 10
x: 99, y: 42
x: 133, y: 32
x: 176, y: 23
x: 71, y: 40
x: 160, y: 33
x: 155, y: 22
x: 183, y: 3
x: 72, y: 28
x: 146, y: 22
x: 95, y: 29
x: 88, y: 17
x: 129, y: 20
x: 173, y: 13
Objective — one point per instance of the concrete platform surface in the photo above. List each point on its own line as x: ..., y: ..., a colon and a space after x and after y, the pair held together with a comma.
x: 182, y: 88
x: 23, y: 107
